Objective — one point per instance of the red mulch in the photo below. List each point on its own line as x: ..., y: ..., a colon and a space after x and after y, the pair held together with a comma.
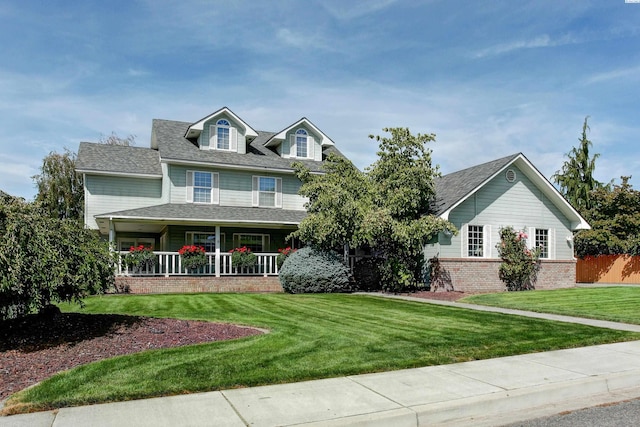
x: 35, y: 347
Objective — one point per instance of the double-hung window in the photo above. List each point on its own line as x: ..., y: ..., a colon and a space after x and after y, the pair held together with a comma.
x: 206, y: 240
x: 223, y: 136
x: 202, y: 187
x: 301, y: 144
x: 222, y: 132
x: 255, y: 242
x: 267, y: 191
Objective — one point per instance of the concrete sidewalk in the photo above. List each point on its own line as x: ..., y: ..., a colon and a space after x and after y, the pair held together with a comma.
x: 480, y: 393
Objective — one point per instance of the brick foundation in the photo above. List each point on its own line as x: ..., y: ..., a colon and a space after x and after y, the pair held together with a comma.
x: 481, y: 275
x: 189, y: 284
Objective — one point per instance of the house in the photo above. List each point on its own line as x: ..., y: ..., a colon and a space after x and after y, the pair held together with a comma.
x: 216, y: 183
x: 481, y: 200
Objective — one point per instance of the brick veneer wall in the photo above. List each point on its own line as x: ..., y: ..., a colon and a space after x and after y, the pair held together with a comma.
x: 187, y: 284
x: 481, y: 275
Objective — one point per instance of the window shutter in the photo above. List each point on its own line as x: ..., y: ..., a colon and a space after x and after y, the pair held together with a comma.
x: 233, y: 139
x: 213, y: 137
x: 293, y: 148
x: 531, y: 239
x: 215, y: 188
x: 486, y: 240
x: 256, y: 186
x: 189, y: 187
x: 464, y: 243
x: 278, y: 192
x: 311, y: 146
x: 552, y: 243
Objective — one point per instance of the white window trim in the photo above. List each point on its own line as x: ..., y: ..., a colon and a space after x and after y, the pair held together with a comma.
x: 486, y: 241
x: 551, y: 237
x: 293, y: 146
x: 146, y: 241
x: 255, y: 199
x: 189, y: 235
x: 266, y: 239
x: 215, y: 187
x: 213, y: 137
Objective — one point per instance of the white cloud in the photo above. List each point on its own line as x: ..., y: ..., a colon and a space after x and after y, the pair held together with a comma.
x: 541, y: 41
x: 346, y: 10
x: 626, y: 74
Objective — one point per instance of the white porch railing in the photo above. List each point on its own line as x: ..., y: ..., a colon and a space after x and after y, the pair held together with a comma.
x: 170, y: 264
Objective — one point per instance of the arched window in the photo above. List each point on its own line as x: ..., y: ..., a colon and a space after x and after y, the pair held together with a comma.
x: 222, y: 132
x: 301, y: 143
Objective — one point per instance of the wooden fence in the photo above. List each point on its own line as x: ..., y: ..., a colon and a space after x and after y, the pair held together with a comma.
x: 609, y: 269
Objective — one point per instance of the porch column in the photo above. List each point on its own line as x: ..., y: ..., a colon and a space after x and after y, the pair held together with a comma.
x: 217, y: 259
x: 112, y: 233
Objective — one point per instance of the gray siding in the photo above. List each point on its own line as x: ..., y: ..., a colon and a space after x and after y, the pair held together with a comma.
x: 203, y: 140
x: 176, y: 236
x: 499, y: 204
x: 105, y: 194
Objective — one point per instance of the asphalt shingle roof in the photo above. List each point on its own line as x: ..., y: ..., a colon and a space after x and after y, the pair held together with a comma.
x: 94, y: 157
x: 453, y: 187
x: 214, y: 213
x: 172, y: 145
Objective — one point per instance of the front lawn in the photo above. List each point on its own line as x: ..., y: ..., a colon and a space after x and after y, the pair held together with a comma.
x: 312, y: 336
x: 617, y: 304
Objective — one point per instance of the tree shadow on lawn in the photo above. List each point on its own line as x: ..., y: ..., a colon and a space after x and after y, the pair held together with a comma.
x: 38, y: 332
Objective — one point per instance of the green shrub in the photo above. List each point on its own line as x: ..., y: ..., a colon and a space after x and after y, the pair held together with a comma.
x: 520, y: 264
x: 310, y: 270
x: 366, y: 273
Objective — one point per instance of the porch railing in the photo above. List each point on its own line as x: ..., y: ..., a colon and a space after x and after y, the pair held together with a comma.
x: 170, y: 264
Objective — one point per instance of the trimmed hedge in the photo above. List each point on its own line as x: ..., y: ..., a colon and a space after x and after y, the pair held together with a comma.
x: 310, y: 270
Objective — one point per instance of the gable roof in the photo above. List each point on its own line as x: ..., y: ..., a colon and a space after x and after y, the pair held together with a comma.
x: 280, y: 136
x: 105, y: 159
x: 168, y: 138
x: 196, y: 128
x: 454, y: 188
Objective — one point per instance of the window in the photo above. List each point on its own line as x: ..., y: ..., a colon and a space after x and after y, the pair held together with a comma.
x: 222, y: 133
x: 267, y: 191
x: 223, y: 136
x: 301, y: 143
x: 124, y: 244
x: 542, y: 242
x: 475, y: 241
x: 204, y: 239
x: 202, y: 187
x: 255, y: 242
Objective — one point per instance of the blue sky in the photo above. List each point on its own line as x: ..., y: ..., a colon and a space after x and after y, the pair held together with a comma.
x: 489, y: 78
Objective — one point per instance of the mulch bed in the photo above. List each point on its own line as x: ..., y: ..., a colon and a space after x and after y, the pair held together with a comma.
x: 36, y: 347
x: 441, y: 296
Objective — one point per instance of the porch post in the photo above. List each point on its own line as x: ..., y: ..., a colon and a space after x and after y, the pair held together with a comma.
x: 217, y: 259
x: 112, y: 232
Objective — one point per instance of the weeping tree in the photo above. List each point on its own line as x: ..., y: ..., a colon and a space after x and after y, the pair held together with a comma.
x: 575, y: 180
x: 60, y: 187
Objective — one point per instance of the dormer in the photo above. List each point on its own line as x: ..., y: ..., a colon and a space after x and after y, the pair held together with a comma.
x: 302, y: 140
x: 221, y: 131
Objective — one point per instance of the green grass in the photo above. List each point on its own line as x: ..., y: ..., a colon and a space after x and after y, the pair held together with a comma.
x: 617, y: 304
x: 312, y: 336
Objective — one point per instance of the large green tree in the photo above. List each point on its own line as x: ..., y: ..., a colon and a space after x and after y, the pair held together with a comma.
x: 614, y: 217
x: 576, y: 180
x: 386, y: 208
x: 45, y: 260
x: 60, y: 187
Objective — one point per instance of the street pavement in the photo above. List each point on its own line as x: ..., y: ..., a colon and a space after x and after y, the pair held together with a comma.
x: 490, y: 392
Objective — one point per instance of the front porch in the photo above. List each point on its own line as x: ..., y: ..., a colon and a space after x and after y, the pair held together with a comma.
x: 218, y: 265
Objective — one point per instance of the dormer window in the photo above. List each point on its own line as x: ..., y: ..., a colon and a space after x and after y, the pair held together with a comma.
x: 222, y: 131
x: 223, y: 136
x: 301, y: 144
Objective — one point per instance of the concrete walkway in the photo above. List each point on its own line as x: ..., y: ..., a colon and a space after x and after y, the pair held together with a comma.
x: 480, y: 393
